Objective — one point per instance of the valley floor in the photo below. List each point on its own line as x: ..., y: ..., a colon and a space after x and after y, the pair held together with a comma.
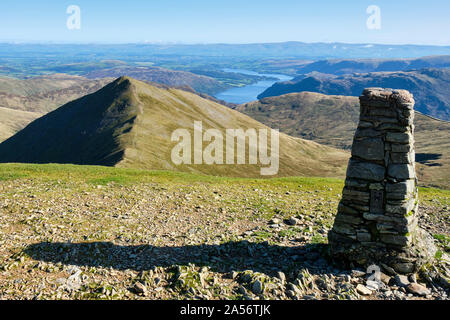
x: 85, y: 232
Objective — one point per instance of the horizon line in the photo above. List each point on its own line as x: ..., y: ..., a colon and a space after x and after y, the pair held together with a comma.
x: 180, y: 43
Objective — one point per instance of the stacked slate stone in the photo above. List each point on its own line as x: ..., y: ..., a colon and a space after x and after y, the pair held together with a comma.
x: 377, y: 216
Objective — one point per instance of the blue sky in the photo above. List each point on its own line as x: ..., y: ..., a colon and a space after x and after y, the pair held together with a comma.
x: 231, y: 21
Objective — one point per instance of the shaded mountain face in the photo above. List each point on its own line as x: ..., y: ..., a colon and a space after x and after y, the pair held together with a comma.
x: 332, y: 120
x: 82, y: 131
x: 129, y: 123
x: 348, y: 66
x: 22, y: 101
x: 430, y: 87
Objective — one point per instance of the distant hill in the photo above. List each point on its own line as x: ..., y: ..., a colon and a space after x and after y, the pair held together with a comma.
x: 173, y: 78
x: 45, y: 93
x: 347, y: 66
x: 431, y: 87
x: 22, y: 101
x: 332, y: 120
x: 329, y: 120
x: 129, y: 123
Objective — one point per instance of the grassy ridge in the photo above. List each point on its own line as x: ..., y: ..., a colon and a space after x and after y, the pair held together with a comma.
x: 104, y: 175
x: 100, y: 175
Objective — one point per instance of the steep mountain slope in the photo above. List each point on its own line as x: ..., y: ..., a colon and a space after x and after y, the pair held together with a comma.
x: 129, y: 123
x: 332, y: 120
x: 430, y: 87
x: 345, y: 66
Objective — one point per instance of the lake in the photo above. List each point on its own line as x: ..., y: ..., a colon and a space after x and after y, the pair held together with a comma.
x: 250, y: 92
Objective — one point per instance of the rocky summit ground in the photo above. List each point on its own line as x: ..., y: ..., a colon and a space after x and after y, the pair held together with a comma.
x: 75, y: 232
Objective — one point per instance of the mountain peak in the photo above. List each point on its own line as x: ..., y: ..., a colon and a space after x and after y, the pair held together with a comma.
x: 122, y: 83
x: 124, y: 79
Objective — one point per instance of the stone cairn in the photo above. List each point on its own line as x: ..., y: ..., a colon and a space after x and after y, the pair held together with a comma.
x: 376, y: 221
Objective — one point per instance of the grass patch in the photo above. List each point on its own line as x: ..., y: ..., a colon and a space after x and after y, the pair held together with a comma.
x: 103, y: 175
x: 111, y: 179
x: 261, y: 235
x: 444, y: 241
x: 318, y: 238
x: 4, y: 176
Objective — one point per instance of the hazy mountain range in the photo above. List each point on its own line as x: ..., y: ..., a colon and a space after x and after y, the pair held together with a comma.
x: 280, y: 50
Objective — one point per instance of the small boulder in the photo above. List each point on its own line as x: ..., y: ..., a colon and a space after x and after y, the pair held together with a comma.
x: 139, y: 288
x: 385, y: 278
x: 372, y: 285
x: 281, y: 276
x: 401, y: 280
x: 418, y: 289
x: 292, y: 221
x: 413, y: 278
x: 358, y: 273
x: 363, y: 290
x: 275, y: 221
x: 257, y: 287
